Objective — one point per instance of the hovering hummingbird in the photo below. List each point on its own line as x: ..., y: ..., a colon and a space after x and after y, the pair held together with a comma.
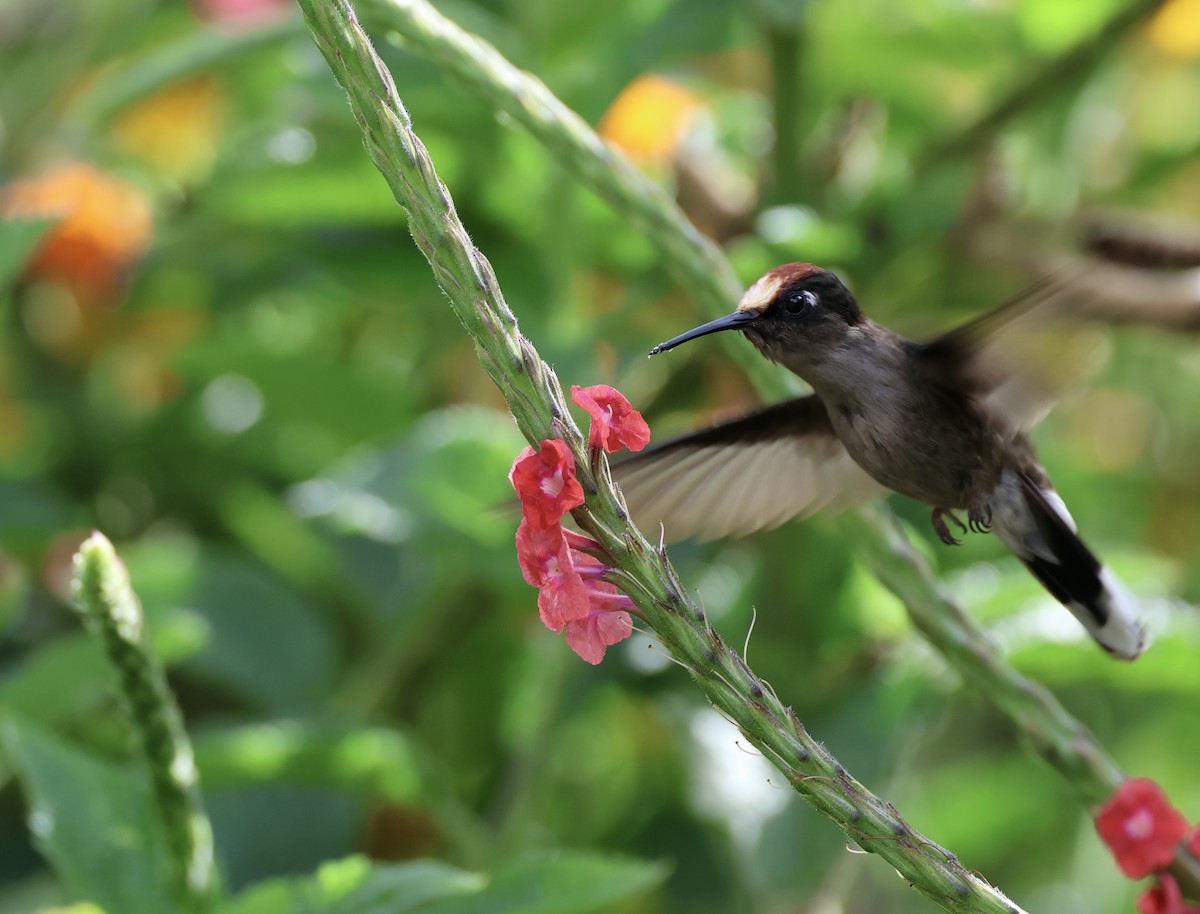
x: 944, y: 422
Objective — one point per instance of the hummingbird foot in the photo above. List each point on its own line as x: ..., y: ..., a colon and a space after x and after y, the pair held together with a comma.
x: 943, y: 531
x: 979, y: 515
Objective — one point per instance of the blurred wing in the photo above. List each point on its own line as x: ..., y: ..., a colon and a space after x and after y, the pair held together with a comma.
x: 749, y: 474
x: 1020, y: 357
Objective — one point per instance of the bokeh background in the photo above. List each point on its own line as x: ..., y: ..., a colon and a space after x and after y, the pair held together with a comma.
x: 226, y: 353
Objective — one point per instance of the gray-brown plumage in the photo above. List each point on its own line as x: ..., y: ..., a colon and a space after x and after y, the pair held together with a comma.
x: 943, y: 422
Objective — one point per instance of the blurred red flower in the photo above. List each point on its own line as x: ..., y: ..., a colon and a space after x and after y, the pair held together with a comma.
x: 1164, y: 898
x: 242, y: 15
x: 615, y: 423
x: 545, y: 483
x: 1140, y: 827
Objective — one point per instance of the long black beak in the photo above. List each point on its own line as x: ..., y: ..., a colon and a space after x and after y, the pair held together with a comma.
x: 728, y: 322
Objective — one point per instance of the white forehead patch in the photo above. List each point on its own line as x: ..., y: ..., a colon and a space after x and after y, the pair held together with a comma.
x: 760, y: 295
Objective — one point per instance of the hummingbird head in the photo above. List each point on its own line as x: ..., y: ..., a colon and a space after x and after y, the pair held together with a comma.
x: 795, y: 308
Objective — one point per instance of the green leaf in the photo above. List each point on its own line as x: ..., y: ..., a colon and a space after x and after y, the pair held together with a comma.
x: 282, y: 626
x: 68, y: 674
x: 355, y: 886
x: 1052, y: 27
x: 314, y: 194
x: 18, y: 240
x: 557, y: 883
x: 376, y: 762
x: 64, y: 676
x: 95, y: 822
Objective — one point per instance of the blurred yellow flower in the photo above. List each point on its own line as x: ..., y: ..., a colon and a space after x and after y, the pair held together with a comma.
x: 650, y: 116
x: 175, y: 130
x: 105, y: 226
x: 1175, y: 28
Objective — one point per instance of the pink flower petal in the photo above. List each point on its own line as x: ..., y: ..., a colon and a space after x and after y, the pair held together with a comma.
x: 536, y: 549
x: 615, y: 423
x: 545, y: 483
x: 563, y: 602
x: 548, y: 564
x: 589, y: 637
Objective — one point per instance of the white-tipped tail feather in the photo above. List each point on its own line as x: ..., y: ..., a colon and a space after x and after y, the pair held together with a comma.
x: 1034, y: 523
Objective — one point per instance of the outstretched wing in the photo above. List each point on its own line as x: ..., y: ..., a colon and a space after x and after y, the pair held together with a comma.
x: 1018, y: 358
x: 748, y: 474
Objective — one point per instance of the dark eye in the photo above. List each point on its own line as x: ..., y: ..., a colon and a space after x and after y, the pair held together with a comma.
x: 798, y: 301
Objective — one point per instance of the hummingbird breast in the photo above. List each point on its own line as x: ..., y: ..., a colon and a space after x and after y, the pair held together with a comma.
x: 925, y: 441
x: 914, y: 429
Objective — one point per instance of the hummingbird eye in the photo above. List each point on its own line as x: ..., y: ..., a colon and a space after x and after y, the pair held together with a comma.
x: 798, y: 301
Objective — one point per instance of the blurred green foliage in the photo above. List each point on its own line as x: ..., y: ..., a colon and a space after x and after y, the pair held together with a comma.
x: 277, y: 420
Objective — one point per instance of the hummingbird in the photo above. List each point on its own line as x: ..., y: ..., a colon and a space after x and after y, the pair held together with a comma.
x: 944, y: 422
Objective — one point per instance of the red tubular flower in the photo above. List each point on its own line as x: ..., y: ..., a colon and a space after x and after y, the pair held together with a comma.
x: 603, y: 627
x: 615, y: 423
x: 571, y: 593
x: 607, y: 620
x: 1164, y: 898
x: 545, y: 482
x: 1193, y: 844
x: 546, y: 563
x: 1140, y: 827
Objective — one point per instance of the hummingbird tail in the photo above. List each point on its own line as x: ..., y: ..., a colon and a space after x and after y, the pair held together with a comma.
x: 1038, y: 529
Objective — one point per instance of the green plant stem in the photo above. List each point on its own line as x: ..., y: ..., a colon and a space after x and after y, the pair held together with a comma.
x: 785, y: 42
x: 537, y: 402
x: 109, y: 608
x: 1063, y: 740
x: 1057, y: 736
x: 691, y: 257
x: 1041, y: 83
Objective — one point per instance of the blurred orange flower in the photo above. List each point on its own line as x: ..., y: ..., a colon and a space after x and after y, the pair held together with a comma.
x: 1175, y: 28
x: 176, y: 129
x: 650, y: 116
x: 105, y: 227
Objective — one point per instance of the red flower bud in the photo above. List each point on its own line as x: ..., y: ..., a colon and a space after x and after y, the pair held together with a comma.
x: 615, y: 423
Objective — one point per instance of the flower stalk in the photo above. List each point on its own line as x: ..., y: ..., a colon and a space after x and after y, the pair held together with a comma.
x: 693, y: 259
x: 537, y: 403
x: 104, y: 598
